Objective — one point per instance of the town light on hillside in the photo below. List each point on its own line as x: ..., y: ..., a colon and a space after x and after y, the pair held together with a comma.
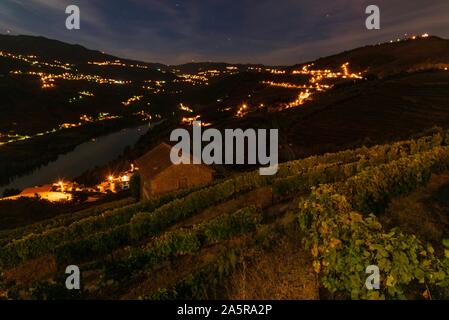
x: 242, y: 111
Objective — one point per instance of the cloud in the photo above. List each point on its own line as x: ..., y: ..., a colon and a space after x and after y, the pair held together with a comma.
x: 397, y: 19
x: 263, y: 31
x: 50, y: 14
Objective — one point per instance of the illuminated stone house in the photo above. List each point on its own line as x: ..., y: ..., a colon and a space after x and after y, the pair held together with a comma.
x: 158, y: 175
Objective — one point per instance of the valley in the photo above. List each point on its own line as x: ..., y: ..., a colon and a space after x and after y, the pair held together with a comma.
x: 362, y: 176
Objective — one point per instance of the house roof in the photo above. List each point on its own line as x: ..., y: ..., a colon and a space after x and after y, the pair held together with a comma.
x: 156, y: 160
x: 39, y: 189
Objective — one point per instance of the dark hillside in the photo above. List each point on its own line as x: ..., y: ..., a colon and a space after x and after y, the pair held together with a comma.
x: 390, y: 58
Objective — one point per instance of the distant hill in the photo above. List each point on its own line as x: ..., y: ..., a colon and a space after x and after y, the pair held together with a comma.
x: 396, y: 102
x: 56, y: 50
x: 195, y: 67
x: 391, y: 58
x: 27, y: 107
x: 382, y: 59
x: 363, y: 113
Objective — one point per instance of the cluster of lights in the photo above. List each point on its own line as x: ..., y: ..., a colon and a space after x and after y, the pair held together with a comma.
x: 314, y: 82
x: 132, y: 100
x: 189, y: 120
x: 18, y: 137
x: 48, y: 79
x: 117, y: 63
x: 414, y: 37
x: 82, y: 95
x: 9, y: 135
x: 155, y: 86
x: 103, y: 116
x: 225, y: 109
x: 86, y: 93
x: 242, y: 111
x: 116, y: 181
x: 157, y: 83
x: 307, y: 90
x: 209, y: 73
x: 32, y: 60
x: 275, y: 71
x: 124, y: 178
x: 152, y: 89
x: 300, y: 100
x: 61, y: 190
x: 76, y: 99
x: 144, y: 115
x: 283, y: 85
x: 255, y: 69
x: 203, y: 77
x: 86, y: 118
x: 185, y: 108
x: 192, y: 79
x: 13, y: 138
x: 69, y: 125
x: 318, y: 75
x: 83, y: 119
x: 315, y: 86
x: 269, y: 70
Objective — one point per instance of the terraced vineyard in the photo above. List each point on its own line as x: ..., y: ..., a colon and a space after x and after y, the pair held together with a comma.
x: 192, y: 244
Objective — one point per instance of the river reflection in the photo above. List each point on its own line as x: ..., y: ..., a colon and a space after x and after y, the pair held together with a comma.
x: 85, y: 156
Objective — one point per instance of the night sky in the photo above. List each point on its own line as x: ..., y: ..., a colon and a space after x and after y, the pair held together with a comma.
x: 276, y: 32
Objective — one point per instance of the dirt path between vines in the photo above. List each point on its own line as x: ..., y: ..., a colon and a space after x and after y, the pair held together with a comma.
x: 285, y: 273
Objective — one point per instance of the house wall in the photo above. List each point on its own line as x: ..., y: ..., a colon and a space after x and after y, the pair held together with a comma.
x: 175, y: 178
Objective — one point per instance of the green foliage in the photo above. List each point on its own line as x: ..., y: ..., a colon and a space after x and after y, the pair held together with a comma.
x: 9, y: 192
x: 372, y: 189
x: 146, y: 224
x: 342, y: 234
x: 59, y: 221
x: 301, y: 175
x: 227, y: 226
x: 183, y: 242
x: 86, y: 232
x: 344, y: 241
x: 202, y: 284
x: 98, y: 244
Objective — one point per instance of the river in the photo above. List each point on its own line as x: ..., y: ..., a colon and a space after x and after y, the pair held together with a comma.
x: 96, y: 152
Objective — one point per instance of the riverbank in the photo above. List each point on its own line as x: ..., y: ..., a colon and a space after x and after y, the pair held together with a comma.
x: 22, y: 157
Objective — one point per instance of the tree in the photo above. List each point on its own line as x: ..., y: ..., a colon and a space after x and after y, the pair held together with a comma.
x: 11, y: 192
x: 80, y: 196
x: 134, y: 185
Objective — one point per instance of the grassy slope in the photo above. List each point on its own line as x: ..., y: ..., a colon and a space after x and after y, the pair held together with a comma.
x: 288, y: 261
